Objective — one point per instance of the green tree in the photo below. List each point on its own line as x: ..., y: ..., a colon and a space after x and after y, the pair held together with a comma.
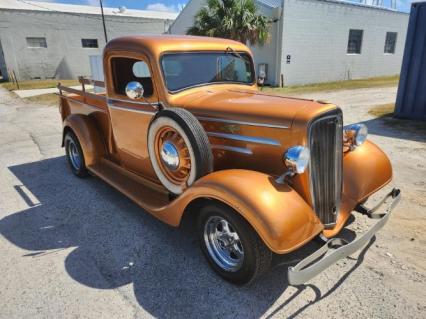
x: 233, y: 19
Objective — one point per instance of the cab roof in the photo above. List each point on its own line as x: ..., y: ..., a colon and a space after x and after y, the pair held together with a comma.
x: 157, y: 44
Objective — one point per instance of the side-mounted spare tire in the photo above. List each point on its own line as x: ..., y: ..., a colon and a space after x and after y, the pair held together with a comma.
x: 179, y: 149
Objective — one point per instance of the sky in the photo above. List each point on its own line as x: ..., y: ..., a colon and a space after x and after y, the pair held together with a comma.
x: 177, y: 5
x: 158, y: 5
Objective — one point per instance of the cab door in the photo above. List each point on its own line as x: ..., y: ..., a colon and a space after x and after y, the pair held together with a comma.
x: 130, y: 118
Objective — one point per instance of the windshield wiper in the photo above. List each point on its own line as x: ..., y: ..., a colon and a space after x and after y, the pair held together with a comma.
x: 235, y: 53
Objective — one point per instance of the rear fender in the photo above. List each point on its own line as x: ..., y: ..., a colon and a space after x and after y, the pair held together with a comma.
x: 89, y: 137
x: 278, y: 213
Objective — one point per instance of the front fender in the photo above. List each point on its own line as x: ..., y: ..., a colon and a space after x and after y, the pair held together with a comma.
x: 278, y: 213
x: 88, y: 136
x: 365, y: 170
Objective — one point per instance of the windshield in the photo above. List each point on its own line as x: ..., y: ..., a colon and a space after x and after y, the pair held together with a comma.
x: 183, y: 70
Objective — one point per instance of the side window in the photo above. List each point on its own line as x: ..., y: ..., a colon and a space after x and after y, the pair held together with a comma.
x: 125, y: 70
x: 140, y: 69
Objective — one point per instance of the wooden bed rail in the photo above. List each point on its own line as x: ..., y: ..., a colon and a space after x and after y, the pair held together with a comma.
x: 81, y: 92
x: 84, y: 81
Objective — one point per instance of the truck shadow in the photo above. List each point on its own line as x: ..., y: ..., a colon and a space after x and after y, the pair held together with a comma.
x: 112, y: 242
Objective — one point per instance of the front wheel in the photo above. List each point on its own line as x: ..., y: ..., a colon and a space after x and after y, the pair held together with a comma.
x: 231, y: 246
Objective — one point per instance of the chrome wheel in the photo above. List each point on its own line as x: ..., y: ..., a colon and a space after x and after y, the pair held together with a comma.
x: 223, y: 244
x: 74, y: 155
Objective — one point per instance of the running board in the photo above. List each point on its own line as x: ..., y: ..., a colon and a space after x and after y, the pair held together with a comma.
x: 145, y: 193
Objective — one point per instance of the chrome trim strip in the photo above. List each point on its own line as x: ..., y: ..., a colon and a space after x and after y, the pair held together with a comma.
x: 244, y: 138
x: 233, y: 149
x: 130, y: 109
x: 111, y: 101
x: 220, y: 120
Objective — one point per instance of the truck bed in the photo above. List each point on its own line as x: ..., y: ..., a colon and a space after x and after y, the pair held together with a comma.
x: 84, y: 96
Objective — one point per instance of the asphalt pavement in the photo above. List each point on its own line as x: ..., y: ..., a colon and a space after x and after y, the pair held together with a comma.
x: 76, y: 248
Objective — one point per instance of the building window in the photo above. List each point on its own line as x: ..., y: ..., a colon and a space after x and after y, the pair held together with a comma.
x: 36, y: 42
x: 89, y: 43
x: 355, y: 41
x: 390, y: 42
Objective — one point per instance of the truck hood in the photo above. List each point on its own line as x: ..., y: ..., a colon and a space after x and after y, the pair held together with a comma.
x: 247, y: 105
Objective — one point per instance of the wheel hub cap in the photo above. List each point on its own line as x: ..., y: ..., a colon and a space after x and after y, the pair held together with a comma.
x: 223, y: 244
x: 170, y: 155
x: 74, y: 155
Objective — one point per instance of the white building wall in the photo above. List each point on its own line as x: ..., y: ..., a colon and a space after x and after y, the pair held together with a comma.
x: 269, y: 51
x: 185, y: 19
x: 316, y: 37
x: 64, y: 57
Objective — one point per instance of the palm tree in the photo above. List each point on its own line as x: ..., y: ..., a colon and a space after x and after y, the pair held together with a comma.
x: 232, y: 19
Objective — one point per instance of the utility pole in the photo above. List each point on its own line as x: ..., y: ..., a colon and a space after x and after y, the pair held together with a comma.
x: 103, y: 21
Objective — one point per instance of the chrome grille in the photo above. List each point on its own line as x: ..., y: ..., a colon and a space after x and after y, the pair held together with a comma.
x: 325, y: 143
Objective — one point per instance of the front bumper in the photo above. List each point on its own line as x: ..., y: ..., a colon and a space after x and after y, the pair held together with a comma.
x: 338, y: 248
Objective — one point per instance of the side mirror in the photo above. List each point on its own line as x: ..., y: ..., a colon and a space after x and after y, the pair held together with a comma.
x: 134, y: 90
x: 261, y: 78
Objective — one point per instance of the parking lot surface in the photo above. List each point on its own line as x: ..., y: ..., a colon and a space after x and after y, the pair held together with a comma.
x: 73, y: 247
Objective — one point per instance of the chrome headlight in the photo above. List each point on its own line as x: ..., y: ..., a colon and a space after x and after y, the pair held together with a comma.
x: 355, y: 134
x: 297, y: 158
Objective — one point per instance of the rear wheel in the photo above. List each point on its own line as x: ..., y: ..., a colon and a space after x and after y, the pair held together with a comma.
x: 231, y: 246
x: 75, y: 155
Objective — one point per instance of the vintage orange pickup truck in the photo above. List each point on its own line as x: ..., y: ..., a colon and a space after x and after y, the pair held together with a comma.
x: 183, y: 130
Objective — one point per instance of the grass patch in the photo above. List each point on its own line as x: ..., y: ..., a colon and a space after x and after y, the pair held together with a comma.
x: 382, y: 110
x: 385, y: 81
x: 44, y: 99
x: 385, y: 113
x: 37, y: 84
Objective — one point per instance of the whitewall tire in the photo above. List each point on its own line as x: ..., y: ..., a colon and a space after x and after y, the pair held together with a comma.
x: 179, y: 149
